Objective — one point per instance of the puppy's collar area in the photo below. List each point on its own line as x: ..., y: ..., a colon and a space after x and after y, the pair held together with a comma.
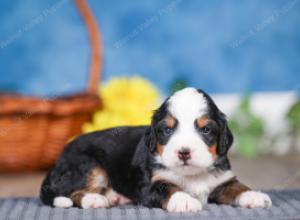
x: 169, y: 175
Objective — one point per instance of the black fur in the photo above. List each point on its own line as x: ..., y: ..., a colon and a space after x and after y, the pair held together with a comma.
x: 112, y: 149
x: 127, y: 155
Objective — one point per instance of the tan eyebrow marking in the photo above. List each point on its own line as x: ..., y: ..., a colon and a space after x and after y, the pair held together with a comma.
x: 202, y: 121
x: 170, y: 121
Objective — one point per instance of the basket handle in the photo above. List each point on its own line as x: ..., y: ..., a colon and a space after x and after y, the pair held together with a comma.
x: 96, y: 50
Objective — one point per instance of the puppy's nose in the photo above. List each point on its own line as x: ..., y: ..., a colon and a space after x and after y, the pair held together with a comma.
x: 184, y: 154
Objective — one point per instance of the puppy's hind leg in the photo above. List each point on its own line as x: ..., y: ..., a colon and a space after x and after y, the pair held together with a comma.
x: 93, y: 195
x: 86, y: 199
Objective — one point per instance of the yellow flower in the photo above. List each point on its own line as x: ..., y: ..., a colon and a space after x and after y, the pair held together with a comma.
x: 126, y: 101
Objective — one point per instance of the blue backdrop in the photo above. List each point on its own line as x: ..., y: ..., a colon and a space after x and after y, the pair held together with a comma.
x: 220, y: 46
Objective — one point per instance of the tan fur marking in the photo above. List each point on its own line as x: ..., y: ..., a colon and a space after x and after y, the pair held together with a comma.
x: 97, y: 182
x: 213, y: 150
x: 170, y: 121
x: 230, y: 191
x: 159, y: 149
x: 202, y: 121
x: 97, y: 178
x: 78, y: 194
x: 155, y: 178
x: 171, y: 190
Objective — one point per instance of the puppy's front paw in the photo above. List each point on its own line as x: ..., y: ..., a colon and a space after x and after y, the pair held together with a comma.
x: 94, y: 200
x: 183, y: 202
x: 253, y: 199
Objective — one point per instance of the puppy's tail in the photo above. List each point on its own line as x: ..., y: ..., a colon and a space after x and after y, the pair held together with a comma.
x: 47, y: 193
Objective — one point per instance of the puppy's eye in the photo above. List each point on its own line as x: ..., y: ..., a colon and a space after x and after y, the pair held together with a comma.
x: 168, y: 130
x: 205, y: 130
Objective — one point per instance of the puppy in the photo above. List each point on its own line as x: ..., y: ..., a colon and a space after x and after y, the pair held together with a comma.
x: 178, y: 163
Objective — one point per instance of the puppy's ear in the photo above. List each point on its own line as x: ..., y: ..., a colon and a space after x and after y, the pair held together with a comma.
x: 151, y: 133
x: 144, y: 148
x: 225, y: 138
x: 150, y: 139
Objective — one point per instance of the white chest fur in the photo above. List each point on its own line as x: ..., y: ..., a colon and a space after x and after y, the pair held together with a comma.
x: 198, y: 186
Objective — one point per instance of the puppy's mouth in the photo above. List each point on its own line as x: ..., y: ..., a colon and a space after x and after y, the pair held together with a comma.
x: 189, y: 169
x: 182, y: 165
x: 190, y: 165
x: 185, y: 163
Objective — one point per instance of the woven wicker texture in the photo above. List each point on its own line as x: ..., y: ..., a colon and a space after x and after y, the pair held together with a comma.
x: 33, y: 131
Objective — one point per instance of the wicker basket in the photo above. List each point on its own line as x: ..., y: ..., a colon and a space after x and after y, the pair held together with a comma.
x: 33, y: 131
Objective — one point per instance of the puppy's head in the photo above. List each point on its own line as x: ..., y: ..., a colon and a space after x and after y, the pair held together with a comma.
x: 188, y: 132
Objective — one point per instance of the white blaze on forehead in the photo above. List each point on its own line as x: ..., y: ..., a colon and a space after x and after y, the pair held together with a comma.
x: 187, y: 104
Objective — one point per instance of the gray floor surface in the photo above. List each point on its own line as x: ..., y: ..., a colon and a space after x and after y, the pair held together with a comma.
x: 286, y: 205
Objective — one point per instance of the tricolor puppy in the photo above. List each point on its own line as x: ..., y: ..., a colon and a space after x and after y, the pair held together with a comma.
x: 178, y: 163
